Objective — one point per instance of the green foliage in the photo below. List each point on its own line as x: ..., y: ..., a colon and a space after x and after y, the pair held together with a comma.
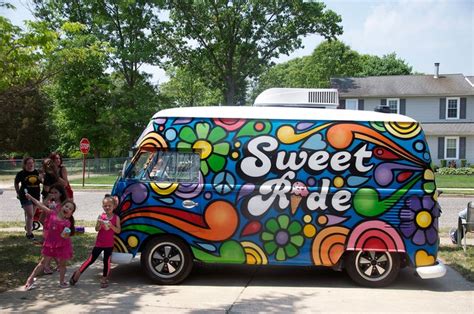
x: 387, y: 65
x: 23, y: 69
x: 329, y: 59
x: 184, y: 90
x: 443, y: 163
x: 227, y: 43
x: 455, y: 171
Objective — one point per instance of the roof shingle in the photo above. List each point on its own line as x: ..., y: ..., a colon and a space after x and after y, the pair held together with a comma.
x: 403, y: 85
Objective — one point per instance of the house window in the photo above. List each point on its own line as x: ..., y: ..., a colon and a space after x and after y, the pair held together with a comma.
x: 166, y: 166
x: 452, y: 108
x: 451, y: 147
x: 394, y: 104
x: 352, y: 104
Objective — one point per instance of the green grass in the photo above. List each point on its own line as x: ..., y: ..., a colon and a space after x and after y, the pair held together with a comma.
x: 455, y: 257
x: 105, y: 179
x: 21, y: 224
x: 19, y: 256
x: 450, y: 181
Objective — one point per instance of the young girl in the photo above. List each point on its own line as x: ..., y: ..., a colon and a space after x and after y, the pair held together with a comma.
x: 62, y: 173
x: 57, y: 244
x: 107, y: 224
x: 27, y: 180
x: 50, y: 176
x: 57, y: 196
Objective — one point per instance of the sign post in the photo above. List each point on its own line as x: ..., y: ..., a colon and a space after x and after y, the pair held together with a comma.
x: 84, y: 146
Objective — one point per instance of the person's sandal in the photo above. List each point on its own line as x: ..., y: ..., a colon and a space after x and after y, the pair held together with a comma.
x: 104, y: 283
x: 63, y: 285
x: 47, y: 271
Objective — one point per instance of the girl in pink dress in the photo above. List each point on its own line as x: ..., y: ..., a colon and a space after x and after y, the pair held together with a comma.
x: 57, y: 243
x: 107, y: 225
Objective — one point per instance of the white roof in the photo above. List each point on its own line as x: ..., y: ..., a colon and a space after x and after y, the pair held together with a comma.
x: 280, y: 113
x: 298, y: 97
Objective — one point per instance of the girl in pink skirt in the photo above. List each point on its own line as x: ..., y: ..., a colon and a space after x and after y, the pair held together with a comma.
x: 57, y: 243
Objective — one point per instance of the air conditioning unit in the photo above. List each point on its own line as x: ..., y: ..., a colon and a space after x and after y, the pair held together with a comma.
x: 298, y: 97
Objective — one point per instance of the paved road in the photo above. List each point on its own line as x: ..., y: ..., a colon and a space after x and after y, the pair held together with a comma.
x: 89, y: 206
x: 242, y: 289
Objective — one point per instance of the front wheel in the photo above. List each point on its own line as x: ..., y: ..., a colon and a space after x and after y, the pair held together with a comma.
x: 373, y: 269
x: 167, y: 260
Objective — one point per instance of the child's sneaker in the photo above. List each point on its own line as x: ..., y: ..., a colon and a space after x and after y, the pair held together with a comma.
x: 453, y: 235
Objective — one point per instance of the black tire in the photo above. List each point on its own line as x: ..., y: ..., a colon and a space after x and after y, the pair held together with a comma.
x: 36, y: 225
x: 372, y: 269
x: 167, y: 260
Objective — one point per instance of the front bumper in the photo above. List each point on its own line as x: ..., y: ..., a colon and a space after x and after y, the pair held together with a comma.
x: 434, y: 271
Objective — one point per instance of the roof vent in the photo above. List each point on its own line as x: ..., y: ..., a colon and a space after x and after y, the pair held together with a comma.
x: 298, y: 97
x: 436, y: 74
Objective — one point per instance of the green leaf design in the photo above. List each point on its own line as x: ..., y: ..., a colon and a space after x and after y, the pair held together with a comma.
x: 283, y: 221
x: 270, y: 247
x: 272, y: 225
x: 294, y: 228
x: 202, y: 130
x: 267, y: 236
x: 280, y: 254
x: 297, y: 240
x: 291, y: 250
x: 221, y: 148
x: 217, y: 134
x: 187, y: 134
x: 216, y: 162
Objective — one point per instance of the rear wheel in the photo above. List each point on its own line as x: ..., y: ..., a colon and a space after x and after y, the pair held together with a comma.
x: 167, y: 260
x: 373, y: 269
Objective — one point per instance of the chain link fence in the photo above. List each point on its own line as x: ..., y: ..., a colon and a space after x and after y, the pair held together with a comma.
x: 99, y: 166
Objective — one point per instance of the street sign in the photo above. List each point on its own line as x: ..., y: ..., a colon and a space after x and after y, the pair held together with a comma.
x: 84, y: 146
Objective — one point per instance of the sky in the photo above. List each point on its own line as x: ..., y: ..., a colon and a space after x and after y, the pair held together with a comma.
x: 421, y: 32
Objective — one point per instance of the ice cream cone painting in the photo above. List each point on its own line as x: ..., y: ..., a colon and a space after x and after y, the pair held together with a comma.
x: 298, y: 191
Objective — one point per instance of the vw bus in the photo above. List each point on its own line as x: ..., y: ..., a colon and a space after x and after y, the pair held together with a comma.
x: 280, y: 185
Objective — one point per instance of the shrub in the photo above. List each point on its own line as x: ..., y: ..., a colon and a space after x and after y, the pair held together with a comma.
x: 455, y: 171
x: 443, y: 163
x: 463, y: 163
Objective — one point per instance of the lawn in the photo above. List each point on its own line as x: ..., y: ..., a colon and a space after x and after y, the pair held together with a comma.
x: 19, y: 256
x: 456, y: 258
x: 450, y: 181
x: 105, y: 179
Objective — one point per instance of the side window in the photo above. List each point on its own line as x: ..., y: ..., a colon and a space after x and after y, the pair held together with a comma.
x: 141, y: 166
x: 166, y: 166
x: 176, y: 166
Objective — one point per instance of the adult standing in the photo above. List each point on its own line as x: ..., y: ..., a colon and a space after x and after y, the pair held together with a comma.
x: 62, y: 173
x: 49, y: 176
x: 28, y: 180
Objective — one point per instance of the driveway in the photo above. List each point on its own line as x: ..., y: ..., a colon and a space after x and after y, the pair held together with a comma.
x: 242, y: 289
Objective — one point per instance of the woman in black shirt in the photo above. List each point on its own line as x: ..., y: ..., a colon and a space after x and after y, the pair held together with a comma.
x: 27, y: 180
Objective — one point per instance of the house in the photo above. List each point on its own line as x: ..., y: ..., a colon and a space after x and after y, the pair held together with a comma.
x: 443, y: 104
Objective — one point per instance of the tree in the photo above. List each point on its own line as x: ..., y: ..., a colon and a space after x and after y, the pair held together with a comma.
x: 329, y: 59
x: 228, y: 42
x: 80, y: 91
x: 185, y: 89
x: 126, y: 25
x: 23, y: 71
x: 387, y: 65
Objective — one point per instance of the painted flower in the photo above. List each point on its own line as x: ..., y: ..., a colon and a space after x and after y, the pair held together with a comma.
x: 419, y: 220
x: 282, y: 237
x: 209, y: 142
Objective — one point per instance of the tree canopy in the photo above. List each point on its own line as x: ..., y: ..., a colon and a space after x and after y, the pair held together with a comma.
x: 227, y: 42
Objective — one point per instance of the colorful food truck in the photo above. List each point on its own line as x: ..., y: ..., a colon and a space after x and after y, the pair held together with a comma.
x: 280, y: 186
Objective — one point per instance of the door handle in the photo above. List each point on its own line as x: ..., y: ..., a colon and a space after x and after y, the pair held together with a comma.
x: 189, y: 204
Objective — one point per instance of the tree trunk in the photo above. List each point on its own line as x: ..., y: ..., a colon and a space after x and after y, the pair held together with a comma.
x: 229, y: 96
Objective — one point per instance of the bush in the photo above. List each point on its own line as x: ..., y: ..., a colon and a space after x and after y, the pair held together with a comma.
x: 455, y: 171
x: 443, y: 163
x: 463, y: 163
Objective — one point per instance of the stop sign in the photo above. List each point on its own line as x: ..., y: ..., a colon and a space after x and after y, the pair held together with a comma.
x: 84, y: 146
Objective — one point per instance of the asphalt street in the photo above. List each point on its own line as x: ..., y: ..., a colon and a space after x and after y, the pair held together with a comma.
x: 89, y: 205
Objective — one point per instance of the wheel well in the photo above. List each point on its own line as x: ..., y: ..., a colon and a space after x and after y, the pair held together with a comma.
x: 161, y: 235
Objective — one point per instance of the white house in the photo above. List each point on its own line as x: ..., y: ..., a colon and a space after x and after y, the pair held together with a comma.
x: 442, y: 103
